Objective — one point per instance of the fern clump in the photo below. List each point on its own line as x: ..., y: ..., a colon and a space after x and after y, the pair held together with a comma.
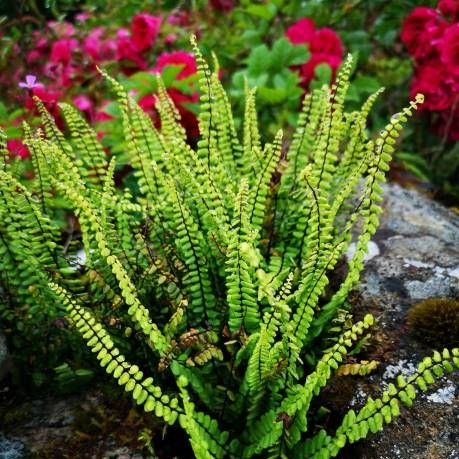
x: 218, y: 268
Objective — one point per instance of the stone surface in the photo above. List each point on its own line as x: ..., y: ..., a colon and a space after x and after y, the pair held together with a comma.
x: 11, y: 448
x: 58, y: 426
x: 417, y: 257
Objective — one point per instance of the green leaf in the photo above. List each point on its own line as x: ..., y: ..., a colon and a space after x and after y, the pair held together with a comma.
x: 112, y: 109
x: 259, y: 60
x: 284, y: 54
x: 322, y: 76
x: 272, y: 95
x: 266, y: 11
x: 170, y: 72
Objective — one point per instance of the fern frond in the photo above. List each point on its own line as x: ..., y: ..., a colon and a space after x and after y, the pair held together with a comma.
x: 376, y: 413
x: 241, y: 258
x: 144, y: 392
x: 91, y: 154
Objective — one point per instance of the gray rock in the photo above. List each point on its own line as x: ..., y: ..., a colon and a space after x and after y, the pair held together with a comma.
x: 11, y: 448
x: 45, y: 426
x: 124, y: 453
x: 417, y: 258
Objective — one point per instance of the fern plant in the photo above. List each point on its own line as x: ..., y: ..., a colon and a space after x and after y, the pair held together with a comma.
x: 219, y: 269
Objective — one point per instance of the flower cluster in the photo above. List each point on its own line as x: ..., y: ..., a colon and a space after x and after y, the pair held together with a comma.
x: 65, y: 56
x: 324, y: 45
x: 432, y: 38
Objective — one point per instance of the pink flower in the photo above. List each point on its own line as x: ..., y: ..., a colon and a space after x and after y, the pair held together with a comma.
x: 39, y: 49
x: 145, y: 29
x: 62, y: 29
x: 99, y: 48
x: 170, y: 39
x: 180, y: 18
x: 83, y: 103
x: 33, y: 56
x: 61, y: 51
x: 82, y: 17
x: 29, y: 83
x: 301, y: 32
x: 93, y: 43
x: 449, y: 49
x: 17, y: 148
x: 182, y: 58
x: 421, y: 32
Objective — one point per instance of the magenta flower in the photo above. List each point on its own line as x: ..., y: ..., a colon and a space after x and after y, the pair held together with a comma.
x: 145, y: 29
x: 29, y: 83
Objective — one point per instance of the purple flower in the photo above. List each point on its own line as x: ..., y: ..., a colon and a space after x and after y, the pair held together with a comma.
x: 30, y: 82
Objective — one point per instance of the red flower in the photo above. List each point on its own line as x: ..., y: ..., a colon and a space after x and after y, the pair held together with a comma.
x: 49, y: 98
x: 187, y: 60
x: 188, y: 118
x: 127, y: 50
x: 301, y: 32
x: 421, y: 32
x: 450, y: 49
x: 61, y: 51
x: 449, y: 8
x: 222, y: 5
x: 145, y: 29
x: 324, y: 44
x: 307, y: 71
x: 183, y: 58
x: 17, y: 148
x: 326, y: 41
x: 432, y: 81
x: 101, y: 115
x: 147, y: 103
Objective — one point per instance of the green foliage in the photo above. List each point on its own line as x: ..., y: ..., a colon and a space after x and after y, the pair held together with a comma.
x: 269, y: 70
x: 217, y: 271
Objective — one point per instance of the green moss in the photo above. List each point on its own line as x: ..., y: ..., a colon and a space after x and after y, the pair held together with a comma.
x: 435, y: 321
x: 14, y: 414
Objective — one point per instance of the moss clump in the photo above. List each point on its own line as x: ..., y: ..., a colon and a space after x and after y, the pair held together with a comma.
x: 435, y: 321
